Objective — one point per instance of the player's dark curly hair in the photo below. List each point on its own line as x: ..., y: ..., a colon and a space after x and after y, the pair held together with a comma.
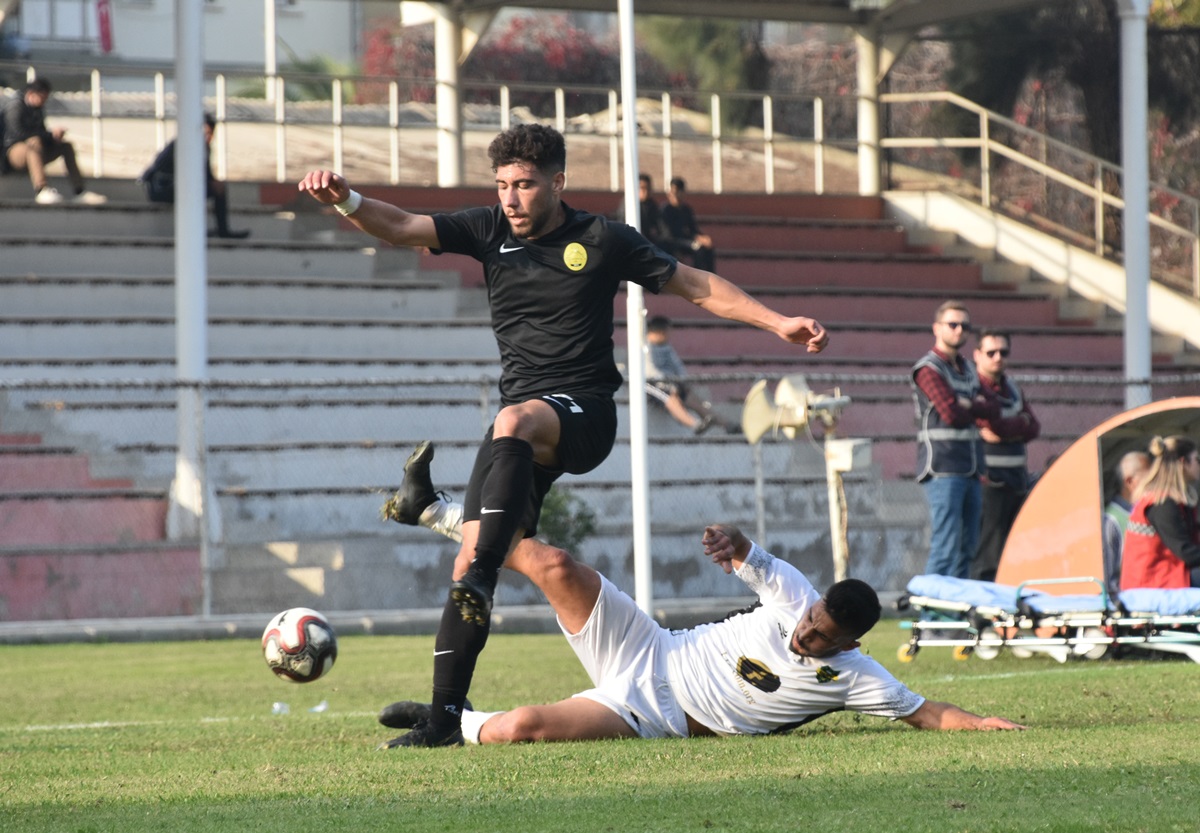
x: 853, y: 605
x: 536, y: 144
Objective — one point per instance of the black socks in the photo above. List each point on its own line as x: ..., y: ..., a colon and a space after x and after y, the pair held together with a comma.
x: 505, y: 497
x: 457, y: 647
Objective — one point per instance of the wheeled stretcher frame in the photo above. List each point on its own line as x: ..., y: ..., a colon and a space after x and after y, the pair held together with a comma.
x: 983, y: 618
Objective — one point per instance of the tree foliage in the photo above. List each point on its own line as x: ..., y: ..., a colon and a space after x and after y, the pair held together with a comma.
x: 1080, y: 41
x: 712, y: 55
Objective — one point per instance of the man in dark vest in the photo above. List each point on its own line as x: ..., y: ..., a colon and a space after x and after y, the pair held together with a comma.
x: 948, y: 401
x: 1006, y: 477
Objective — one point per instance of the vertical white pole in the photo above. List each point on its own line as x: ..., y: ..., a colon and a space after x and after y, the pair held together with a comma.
x: 868, y: 113
x: 1136, y: 191
x: 186, y: 517
x: 270, y: 53
x: 639, y: 478
x: 97, y: 126
x: 448, y: 45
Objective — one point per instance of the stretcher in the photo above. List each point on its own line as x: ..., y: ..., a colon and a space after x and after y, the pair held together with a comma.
x: 981, y: 618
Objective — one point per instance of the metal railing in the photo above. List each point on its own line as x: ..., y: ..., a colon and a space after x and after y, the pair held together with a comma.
x: 1012, y: 168
x: 1056, y: 186
x: 785, y: 159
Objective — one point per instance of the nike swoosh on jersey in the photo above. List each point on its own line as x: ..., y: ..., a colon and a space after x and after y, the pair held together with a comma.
x: 489, y: 511
x: 439, y: 653
x: 506, y: 249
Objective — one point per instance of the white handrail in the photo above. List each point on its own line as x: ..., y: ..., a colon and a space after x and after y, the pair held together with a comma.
x: 1177, y: 262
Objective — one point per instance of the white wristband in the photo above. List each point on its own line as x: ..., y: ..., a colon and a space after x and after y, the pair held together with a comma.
x: 349, y: 205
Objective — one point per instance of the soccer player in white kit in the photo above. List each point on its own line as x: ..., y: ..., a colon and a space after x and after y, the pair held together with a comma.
x: 772, y: 669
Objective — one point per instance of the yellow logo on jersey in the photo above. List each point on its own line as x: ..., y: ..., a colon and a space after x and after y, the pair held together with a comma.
x: 575, y: 257
x: 757, y: 674
x: 825, y: 674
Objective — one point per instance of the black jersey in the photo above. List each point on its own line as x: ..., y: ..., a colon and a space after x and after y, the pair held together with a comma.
x: 552, y: 298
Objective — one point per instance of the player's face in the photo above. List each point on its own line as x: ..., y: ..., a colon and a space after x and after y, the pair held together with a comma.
x: 530, y: 198
x: 817, y: 636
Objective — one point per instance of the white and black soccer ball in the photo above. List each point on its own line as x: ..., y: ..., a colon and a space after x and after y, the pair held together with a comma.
x: 299, y: 645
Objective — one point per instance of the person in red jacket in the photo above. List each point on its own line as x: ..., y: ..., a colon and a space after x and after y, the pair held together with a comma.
x: 1162, y: 541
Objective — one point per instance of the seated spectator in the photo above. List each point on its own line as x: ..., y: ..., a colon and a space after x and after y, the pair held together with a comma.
x: 159, y: 182
x: 1130, y: 471
x: 677, y: 397
x: 1162, y: 542
x: 30, y: 146
x: 686, y: 239
x: 649, y: 215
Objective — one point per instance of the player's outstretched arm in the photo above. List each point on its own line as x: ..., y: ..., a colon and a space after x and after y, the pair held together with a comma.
x: 935, y: 715
x: 725, y: 300
x: 379, y: 219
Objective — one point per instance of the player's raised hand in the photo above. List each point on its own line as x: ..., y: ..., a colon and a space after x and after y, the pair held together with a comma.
x: 725, y: 545
x: 325, y: 187
x: 808, y: 331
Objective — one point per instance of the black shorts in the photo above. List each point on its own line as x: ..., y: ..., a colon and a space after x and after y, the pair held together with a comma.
x: 587, y: 431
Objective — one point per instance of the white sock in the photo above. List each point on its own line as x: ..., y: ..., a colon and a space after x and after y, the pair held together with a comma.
x: 472, y: 724
x: 443, y: 517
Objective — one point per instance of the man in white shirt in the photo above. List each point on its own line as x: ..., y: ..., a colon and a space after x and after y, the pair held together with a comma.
x: 783, y: 664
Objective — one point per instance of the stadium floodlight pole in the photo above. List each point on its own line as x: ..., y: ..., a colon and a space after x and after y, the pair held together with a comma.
x: 634, y: 326
x: 1135, y: 163
x: 186, y: 518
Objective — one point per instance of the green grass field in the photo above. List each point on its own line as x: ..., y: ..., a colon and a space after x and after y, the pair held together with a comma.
x: 181, y: 737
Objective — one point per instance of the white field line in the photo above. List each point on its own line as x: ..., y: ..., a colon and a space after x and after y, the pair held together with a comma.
x: 126, y: 724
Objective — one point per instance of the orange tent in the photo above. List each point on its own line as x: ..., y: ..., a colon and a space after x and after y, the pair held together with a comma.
x: 1057, y: 533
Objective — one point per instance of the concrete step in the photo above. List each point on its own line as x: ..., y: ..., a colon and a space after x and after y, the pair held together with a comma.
x: 85, y: 256
x: 786, y: 234
x: 1077, y: 345
x: 112, y: 421
x: 31, y: 471
x: 405, y: 372
x: 875, y: 305
x: 868, y: 417
x: 100, y: 583
x: 66, y: 297
x: 785, y: 269
x: 379, y: 464
x: 896, y: 454
x: 131, y: 220
x: 262, y: 337
x: 88, y: 517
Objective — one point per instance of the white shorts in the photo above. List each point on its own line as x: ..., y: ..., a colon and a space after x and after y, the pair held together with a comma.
x: 624, y: 652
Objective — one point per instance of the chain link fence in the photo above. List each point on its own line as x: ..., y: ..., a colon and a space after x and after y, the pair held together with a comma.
x: 295, y: 473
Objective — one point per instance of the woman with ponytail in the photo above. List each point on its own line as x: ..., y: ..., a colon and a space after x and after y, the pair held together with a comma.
x: 1162, y: 541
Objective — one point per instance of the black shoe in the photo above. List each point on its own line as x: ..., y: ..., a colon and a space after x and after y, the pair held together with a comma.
x: 416, y: 490
x: 408, y: 714
x: 426, y: 734
x: 473, y: 595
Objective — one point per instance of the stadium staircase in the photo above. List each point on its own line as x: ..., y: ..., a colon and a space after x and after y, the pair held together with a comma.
x: 300, y: 467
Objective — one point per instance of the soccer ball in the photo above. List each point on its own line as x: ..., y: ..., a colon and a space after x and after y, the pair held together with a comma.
x: 299, y: 645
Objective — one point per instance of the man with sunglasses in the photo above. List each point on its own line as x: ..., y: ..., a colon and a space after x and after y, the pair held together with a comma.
x: 949, y: 400
x: 1006, y: 477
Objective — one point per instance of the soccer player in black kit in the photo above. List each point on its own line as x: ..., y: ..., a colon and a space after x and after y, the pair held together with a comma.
x: 552, y: 274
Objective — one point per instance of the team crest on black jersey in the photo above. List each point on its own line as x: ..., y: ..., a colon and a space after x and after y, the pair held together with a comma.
x: 575, y: 257
x: 825, y: 674
x: 758, y: 675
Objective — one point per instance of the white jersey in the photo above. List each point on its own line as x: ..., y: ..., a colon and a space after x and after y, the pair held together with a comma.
x: 739, y: 676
